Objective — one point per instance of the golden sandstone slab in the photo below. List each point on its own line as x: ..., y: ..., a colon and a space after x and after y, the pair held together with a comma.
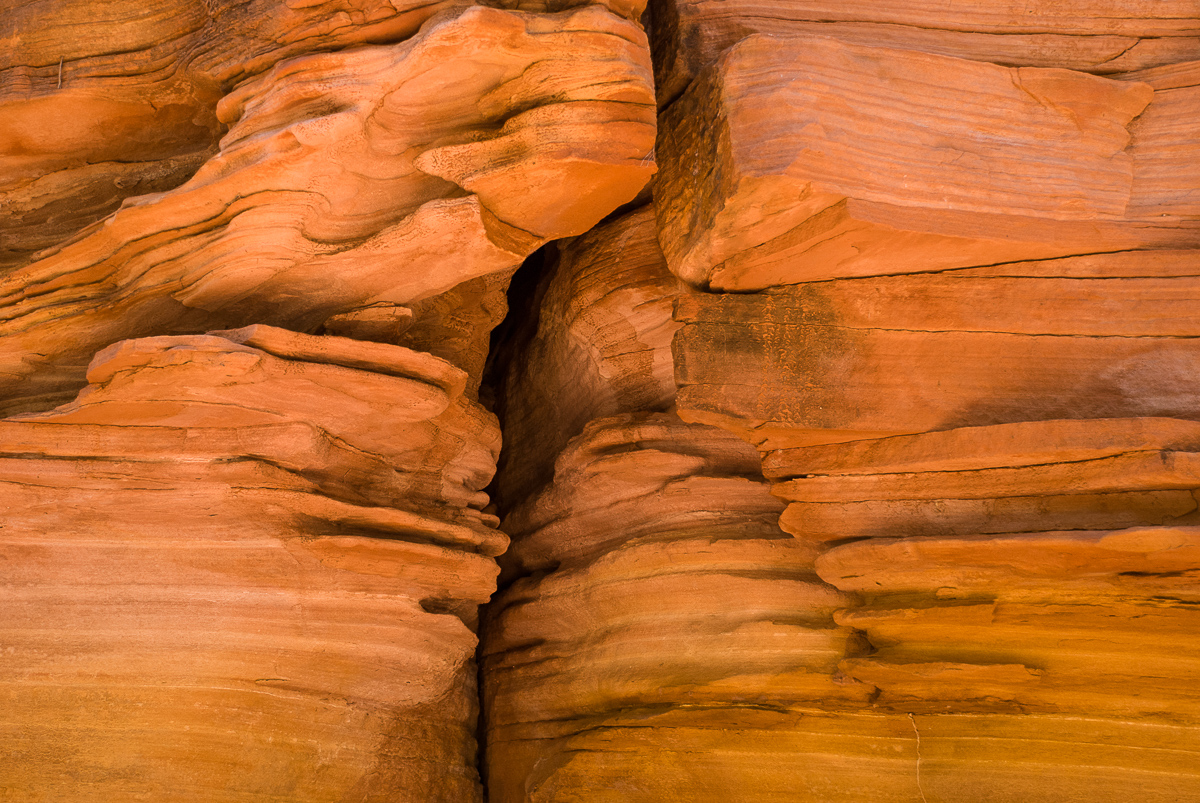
x: 254, y: 563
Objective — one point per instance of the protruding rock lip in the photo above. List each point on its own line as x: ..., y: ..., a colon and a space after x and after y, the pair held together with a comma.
x: 379, y: 357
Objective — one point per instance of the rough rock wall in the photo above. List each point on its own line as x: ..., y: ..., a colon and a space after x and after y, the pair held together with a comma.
x: 851, y: 458
x: 253, y: 253
x: 938, y: 263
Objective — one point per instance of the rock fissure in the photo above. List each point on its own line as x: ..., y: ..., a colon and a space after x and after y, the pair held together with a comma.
x: 545, y: 401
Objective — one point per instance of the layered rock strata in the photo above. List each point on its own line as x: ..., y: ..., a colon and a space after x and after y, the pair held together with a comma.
x: 859, y: 465
x: 364, y: 165
x: 794, y: 159
x: 1094, y: 37
x: 655, y: 591
x: 105, y: 102
x: 1095, y: 336
x: 245, y: 566
x: 244, y: 554
x: 598, y: 342
x: 947, y: 288
x: 1048, y: 570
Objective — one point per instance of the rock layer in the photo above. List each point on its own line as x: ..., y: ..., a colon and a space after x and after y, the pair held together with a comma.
x: 243, y: 557
x: 1096, y: 37
x: 598, y: 344
x: 652, y: 572
x: 829, y: 160
x: 1083, y: 337
x: 854, y: 460
x: 942, y: 268
x: 246, y: 565
x: 338, y: 165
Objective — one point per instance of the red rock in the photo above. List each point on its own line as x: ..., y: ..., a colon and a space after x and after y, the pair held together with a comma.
x: 1099, y: 37
x: 942, y: 547
x: 598, y: 345
x: 1165, y: 156
x: 335, y: 165
x: 845, y: 360
x: 104, y: 102
x: 254, y: 563
x: 649, y: 577
x: 827, y: 162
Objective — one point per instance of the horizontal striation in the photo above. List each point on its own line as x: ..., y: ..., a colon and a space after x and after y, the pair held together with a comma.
x: 329, y: 167
x: 261, y: 548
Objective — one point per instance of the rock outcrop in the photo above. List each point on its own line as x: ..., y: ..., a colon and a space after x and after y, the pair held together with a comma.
x: 247, y: 565
x: 942, y: 269
x: 243, y: 555
x: 365, y: 164
x: 854, y: 456
x: 795, y: 159
x: 1105, y: 37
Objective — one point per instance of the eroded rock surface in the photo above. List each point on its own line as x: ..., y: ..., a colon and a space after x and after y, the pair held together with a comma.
x: 942, y: 268
x: 652, y: 576
x: 794, y: 159
x: 366, y: 165
x: 855, y: 358
x: 853, y: 459
x: 598, y: 342
x: 1104, y: 37
x: 246, y: 565
x: 243, y: 556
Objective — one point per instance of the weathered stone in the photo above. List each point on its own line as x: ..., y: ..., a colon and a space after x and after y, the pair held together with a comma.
x: 1098, y: 37
x: 596, y: 341
x: 337, y: 164
x: 845, y: 360
x: 260, y: 554
x: 649, y: 578
x: 796, y: 159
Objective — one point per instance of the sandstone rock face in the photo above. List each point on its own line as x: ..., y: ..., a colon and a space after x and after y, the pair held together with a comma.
x: 380, y: 427
x: 243, y: 556
x: 246, y: 565
x: 1095, y: 37
x: 849, y: 359
x: 599, y: 344
x: 795, y: 159
x: 943, y: 277
x: 653, y: 575
x: 361, y: 164
x: 103, y: 102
